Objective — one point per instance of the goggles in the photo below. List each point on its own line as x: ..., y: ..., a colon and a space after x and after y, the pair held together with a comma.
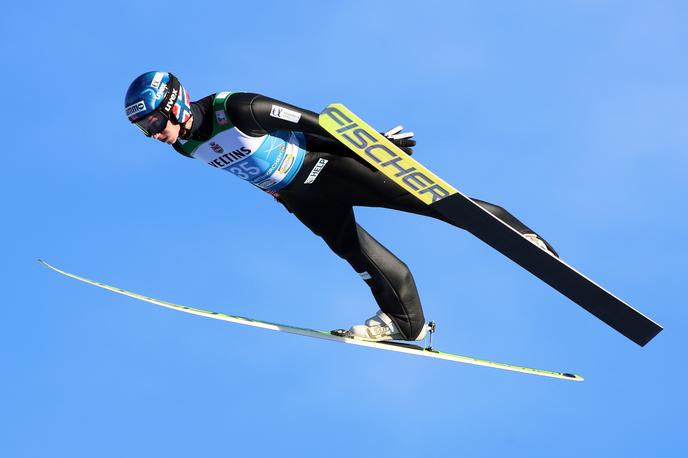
x: 154, y: 123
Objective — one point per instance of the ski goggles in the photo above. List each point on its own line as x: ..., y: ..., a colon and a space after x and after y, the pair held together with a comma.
x: 154, y: 123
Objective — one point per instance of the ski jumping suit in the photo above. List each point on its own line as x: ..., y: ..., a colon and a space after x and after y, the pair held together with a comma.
x: 283, y: 150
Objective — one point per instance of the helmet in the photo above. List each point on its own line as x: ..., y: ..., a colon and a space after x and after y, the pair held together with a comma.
x: 155, y: 97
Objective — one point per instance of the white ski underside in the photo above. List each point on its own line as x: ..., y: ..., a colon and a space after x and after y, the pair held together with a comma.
x: 397, y: 347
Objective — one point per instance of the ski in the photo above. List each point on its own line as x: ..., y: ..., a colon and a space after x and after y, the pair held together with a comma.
x: 420, y: 182
x: 391, y: 346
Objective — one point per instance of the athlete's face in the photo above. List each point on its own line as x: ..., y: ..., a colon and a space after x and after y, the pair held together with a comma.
x: 169, y: 134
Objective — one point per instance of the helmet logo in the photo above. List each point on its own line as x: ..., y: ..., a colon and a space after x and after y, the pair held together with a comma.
x: 173, y: 98
x: 135, y: 108
x: 156, y: 94
x: 157, y: 79
x: 161, y: 92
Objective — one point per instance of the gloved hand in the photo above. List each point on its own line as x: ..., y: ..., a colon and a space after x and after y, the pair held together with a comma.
x: 401, y: 139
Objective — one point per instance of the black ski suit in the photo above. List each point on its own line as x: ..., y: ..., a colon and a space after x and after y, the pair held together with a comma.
x: 325, y: 204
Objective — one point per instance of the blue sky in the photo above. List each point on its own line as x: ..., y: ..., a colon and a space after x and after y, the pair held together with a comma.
x: 571, y: 115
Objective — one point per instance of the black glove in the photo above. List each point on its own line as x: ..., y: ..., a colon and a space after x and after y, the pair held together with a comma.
x: 401, y: 139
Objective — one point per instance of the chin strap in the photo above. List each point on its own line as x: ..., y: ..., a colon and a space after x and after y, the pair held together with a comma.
x: 185, y: 133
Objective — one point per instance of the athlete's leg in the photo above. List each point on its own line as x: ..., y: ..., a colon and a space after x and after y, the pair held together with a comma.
x: 392, y: 285
x: 388, y: 277
x: 364, y: 186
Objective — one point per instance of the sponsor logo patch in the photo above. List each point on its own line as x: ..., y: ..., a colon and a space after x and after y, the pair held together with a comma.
x: 135, y: 108
x: 267, y: 183
x: 230, y: 157
x: 285, y: 113
x: 221, y: 118
x: 217, y: 148
x: 316, y: 171
x: 286, y: 165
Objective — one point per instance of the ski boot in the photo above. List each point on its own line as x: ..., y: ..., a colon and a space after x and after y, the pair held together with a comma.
x: 378, y: 328
x: 540, y: 243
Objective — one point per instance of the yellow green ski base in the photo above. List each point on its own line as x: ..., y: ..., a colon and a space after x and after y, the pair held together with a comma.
x: 391, y: 346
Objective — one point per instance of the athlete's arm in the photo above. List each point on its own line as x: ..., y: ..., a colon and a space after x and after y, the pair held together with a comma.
x: 257, y: 115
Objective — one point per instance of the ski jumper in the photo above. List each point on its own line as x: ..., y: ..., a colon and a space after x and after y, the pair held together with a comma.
x: 283, y: 150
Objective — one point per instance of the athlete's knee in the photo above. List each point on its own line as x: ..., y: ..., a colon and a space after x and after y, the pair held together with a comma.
x: 400, y: 272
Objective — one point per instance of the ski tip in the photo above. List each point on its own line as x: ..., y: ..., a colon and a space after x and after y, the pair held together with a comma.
x: 50, y: 266
x: 45, y: 263
x: 575, y: 377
